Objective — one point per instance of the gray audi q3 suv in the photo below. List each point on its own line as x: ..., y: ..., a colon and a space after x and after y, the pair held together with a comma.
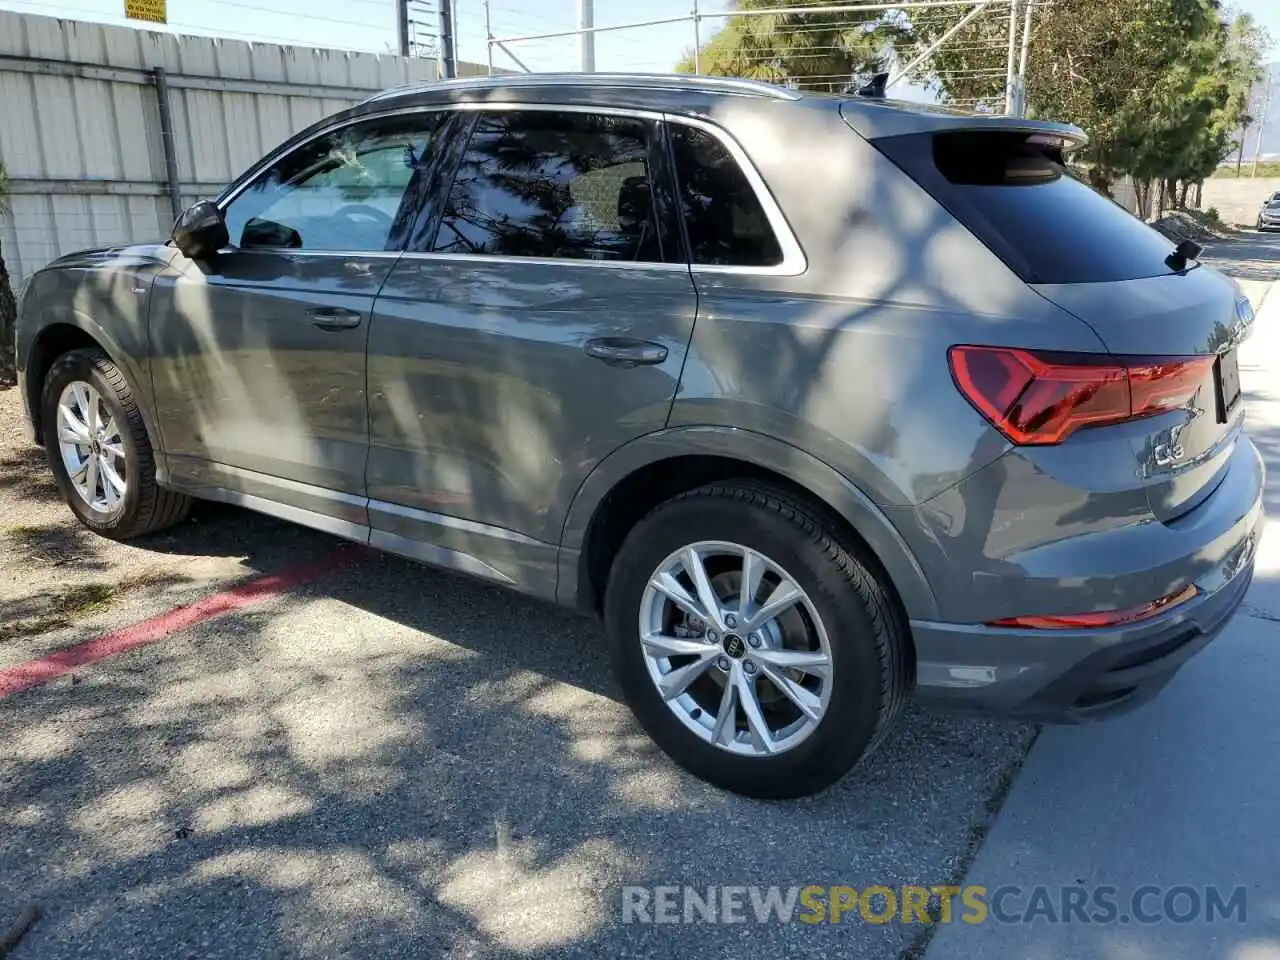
x: 817, y: 401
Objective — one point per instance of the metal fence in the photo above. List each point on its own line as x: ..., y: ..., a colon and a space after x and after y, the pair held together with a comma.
x: 105, y: 131
x: 970, y: 53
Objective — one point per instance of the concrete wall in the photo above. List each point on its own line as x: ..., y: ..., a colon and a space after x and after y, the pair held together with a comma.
x: 1238, y: 201
x: 80, y: 123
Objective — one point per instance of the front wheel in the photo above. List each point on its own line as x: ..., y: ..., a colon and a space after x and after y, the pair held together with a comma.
x: 98, y: 449
x: 759, y: 653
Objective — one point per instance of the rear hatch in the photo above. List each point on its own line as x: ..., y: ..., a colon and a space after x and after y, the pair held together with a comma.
x: 1174, y: 327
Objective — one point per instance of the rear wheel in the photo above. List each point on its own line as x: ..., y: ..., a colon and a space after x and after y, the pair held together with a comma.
x: 98, y: 449
x: 757, y: 651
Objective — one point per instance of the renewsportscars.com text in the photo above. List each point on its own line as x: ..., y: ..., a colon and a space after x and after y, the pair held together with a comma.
x: 945, y: 903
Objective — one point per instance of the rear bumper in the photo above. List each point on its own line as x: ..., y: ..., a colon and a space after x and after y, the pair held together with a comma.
x: 1068, y: 676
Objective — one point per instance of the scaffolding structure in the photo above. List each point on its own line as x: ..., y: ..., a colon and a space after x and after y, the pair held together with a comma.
x: 969, y: 53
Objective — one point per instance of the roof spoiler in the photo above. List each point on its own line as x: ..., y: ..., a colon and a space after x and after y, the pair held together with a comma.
x: 872, y: 119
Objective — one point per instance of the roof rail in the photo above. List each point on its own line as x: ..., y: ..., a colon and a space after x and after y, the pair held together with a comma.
x: 647, y: 81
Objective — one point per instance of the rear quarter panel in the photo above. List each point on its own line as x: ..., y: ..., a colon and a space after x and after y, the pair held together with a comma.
x: 848, y: 360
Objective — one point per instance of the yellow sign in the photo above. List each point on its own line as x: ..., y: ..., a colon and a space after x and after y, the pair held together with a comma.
x: 151, y: 10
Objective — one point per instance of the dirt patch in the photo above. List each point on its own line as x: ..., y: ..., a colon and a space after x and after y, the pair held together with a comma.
x: 1179, y: 225
x: 43, y: 612
x: 32, y: 616
x: 55, y: 572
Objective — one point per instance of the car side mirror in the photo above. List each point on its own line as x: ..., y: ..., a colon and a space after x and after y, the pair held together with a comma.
x: 200, y: 231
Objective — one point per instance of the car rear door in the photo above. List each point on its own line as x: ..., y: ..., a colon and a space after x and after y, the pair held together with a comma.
x: 538, y: 321
x: 259, y: 351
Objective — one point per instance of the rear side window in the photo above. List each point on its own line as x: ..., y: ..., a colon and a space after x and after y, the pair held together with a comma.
x: 727, y: 225
x: 1048, y: 226
x: 547, y: 184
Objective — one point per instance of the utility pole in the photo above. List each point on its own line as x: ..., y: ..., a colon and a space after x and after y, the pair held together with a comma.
x: 697, y: 38
x: 448, y: 63
x: 587, y: 38
x: 1013, y: 63
x: 488, y: 35
x: 1022, y: 59
x: 1244, y: 131
x: 402, y: 26
x: 1262, y: 126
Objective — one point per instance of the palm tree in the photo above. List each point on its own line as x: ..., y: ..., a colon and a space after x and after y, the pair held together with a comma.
x: 8, y: 304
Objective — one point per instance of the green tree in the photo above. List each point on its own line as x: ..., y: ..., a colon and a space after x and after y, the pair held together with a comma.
x: 8, y: 304
x: 815, y: 51
x: 1161, y: 86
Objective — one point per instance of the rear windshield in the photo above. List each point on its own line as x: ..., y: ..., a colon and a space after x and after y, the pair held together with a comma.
x: 1029, y: 209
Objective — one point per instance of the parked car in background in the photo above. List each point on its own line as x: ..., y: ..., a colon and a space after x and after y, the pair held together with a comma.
x: 1269, y: 215
x: 908, y: 409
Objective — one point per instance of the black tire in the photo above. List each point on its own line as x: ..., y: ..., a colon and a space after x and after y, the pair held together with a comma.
x: 867, y: 633
x: 145, y: 506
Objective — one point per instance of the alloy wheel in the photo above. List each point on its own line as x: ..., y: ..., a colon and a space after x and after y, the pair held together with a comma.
x: 91, y: 447
x: 736, y: 648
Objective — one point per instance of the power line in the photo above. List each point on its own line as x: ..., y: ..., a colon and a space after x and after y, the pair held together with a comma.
x: 310, y: 16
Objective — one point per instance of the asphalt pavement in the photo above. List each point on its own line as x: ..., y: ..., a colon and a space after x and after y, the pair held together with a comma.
x: 1174, y: 804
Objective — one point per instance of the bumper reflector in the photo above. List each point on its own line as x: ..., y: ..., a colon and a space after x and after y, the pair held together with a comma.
x: 1105, y: 618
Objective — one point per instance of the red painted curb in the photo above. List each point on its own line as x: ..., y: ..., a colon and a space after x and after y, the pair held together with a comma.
x: 35, y: 672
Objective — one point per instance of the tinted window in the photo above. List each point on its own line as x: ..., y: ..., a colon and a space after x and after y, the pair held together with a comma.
x: 342, y: 191
x: 1048, y: 226
x: 546, y: 184
x: 726, y: 223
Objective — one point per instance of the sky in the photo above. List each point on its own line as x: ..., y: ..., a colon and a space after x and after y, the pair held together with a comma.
x: 370, y: 25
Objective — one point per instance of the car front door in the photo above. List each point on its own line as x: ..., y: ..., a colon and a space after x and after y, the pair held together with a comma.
x: 538, y: 321
x: 259, y: 351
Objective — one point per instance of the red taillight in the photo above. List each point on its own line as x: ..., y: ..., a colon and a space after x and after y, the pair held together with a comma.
x: 1106, y: 618
x: 1042, y: 399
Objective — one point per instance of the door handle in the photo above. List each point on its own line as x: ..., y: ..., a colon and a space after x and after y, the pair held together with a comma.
x: 335, y: 318
x: 625, y: 352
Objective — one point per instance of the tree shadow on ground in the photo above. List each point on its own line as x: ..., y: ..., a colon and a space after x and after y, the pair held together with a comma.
x: 24, y: 474
x: 400, y: 761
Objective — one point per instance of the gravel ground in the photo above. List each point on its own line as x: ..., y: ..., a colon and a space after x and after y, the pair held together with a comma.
x: 393, y: 761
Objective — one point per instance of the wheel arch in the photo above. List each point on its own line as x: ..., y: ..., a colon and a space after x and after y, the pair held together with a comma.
x: 634, y: 479
x: 73, y: 329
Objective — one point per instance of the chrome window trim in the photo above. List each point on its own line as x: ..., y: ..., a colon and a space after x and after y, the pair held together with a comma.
x: 471, y: 107
x: 547, y: 261
x: 793, y: 261
x: 303, y: 252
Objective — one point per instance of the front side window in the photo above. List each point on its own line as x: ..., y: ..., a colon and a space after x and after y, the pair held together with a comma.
x: 726, y: 223
x: 341, y: 191
x: 547, y: 184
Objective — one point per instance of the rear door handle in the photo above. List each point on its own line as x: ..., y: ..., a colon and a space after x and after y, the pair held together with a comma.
x: 335, y: 318
x: 625, y: 352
